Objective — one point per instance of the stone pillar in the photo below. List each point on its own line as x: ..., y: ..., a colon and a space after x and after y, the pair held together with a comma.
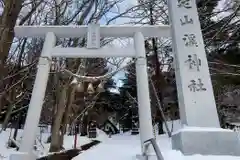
x: 195, y: 92
x: 192, y: 72
x: 144, y: 108
x: 38, y: 93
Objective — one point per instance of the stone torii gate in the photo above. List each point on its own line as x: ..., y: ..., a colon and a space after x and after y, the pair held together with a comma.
x: 93, y: 50
x: 195, y: 93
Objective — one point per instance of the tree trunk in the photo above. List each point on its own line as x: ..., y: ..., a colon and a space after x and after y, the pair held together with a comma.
x: 8, y: 20
x: 55, y: 145
x: 159, y: 77
x: 84, y: 125
x: 57, y: 96
x: 160, y: 82
x: 17, y: 125
x: 9, y: 110
x: 7, y: 117
x: 66, y: 117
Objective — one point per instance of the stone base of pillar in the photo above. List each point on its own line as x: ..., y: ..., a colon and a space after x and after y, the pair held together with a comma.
x: 22, y: 156
x: 206, y: 141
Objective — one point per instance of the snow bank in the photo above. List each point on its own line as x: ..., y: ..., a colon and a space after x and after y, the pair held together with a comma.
x: 202, y: 129
x: 4, y: 151
x: 126, y: 147
x: 42, y: 146
x: 119, y: 147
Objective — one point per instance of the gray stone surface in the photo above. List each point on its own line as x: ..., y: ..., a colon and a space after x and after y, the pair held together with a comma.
x: 194, y: 104
x: 207, y: 142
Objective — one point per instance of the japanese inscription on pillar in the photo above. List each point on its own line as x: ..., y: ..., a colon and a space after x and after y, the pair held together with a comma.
x: 93, y: 39
x: 190, y: 40
x: 193, y: 62
x: 191, y: 66
x: 184, y: 3
x: 186, y: 20
x: 196, y: 86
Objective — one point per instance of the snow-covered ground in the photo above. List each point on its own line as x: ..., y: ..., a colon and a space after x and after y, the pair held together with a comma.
x: 42, y: 146
x: 126, y: 147
x: 118, y: 147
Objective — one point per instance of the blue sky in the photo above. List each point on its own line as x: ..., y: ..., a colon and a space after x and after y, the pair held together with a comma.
x: 122, y: 7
